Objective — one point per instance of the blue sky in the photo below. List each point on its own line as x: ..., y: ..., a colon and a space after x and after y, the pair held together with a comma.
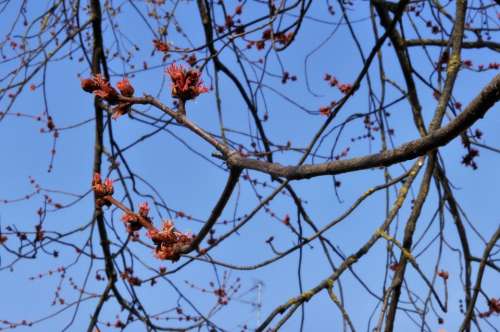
x: 191, y: 184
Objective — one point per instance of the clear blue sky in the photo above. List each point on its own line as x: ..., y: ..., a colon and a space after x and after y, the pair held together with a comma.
x: 191, y: 184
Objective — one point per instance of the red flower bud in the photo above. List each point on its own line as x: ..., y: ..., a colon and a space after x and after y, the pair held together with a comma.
x: 125, y: 88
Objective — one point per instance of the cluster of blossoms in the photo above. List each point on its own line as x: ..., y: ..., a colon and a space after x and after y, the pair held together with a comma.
x: 186, y: 83
x: 481, y: 67
x: 169, y: 242
x: 161, y: 46
x: 131, y: 220
x: 281, y: 38
x: 494, y: 308
x: 443, y: 274
x: 345, y: 88
x: 469, y: 159
x: 3, y: 239
x: 126, y: 89
x: 128, y: 275
x: 100, y: 87
x: 327, y: 110
x: 102, y: 189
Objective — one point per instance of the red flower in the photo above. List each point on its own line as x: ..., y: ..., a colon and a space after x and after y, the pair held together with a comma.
x: 494, y: 308
x: 120, y: 110
x: 443, y: 274
x: 260, y: 45
x: 186, y: 83
x: 144, y: 209
x: 125, y: 88
x: 266, y: 34
x: 101, y: 88
x: 88, y: 85
x: 326, y: 111
x: 161, y: 46
x: 494, y: 305
x: 102, y: 189
x: 345, y: 88
x: 284, y: 38
x: 238, y: 10
x: 169, y: 241
x: 105, y: 90
x: 132, y: 222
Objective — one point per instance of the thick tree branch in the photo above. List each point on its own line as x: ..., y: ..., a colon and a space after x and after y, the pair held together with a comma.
x: 473, y: 112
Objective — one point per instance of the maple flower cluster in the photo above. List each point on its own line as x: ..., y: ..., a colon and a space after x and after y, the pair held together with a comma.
x: 131, y: 220
x: 161, y: 46
x: 126, y: 89
x: 444, y: 274
x: 100, y: 87
x: 494, y: 308
x: 186, y: 83
x: 102, y: 189
x: 169, y: 241
x: 345, y: 88
x: 128, y: 275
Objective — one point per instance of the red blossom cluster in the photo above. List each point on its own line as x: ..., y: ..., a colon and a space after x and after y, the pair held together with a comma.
x: 191, y: 59
x: 481, y: 67
x: 286, y: 220
x: 494, y: 308
x: 100, y: 87
x: 494, y: 65
x: 345, y: 88
x: 238, y: 10
x: 278, y: 37
x: 128, y: 275
x: 169, y: 241
x: 469, y: 159
x: 39, y: 233
x: 325, y: 110
x: 126, y: 89
x: 102, y: 189
x: 161, y: 46
x: 186, y: 83
x: 222, y: 297
x: 131, y: 220
x: 444, y: 274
